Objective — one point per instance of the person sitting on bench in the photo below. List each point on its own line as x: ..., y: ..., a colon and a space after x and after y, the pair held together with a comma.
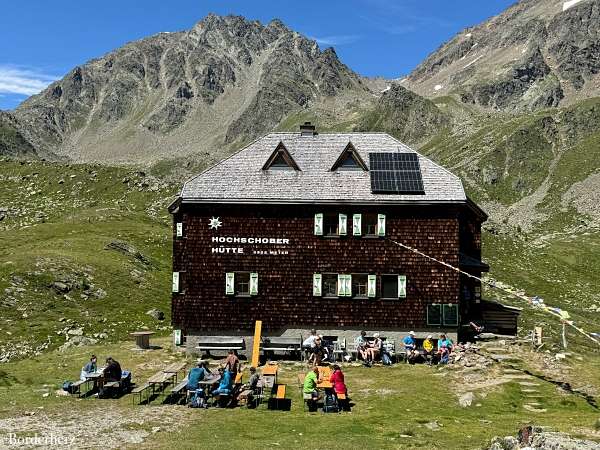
x: 196, y: 375
x: 89, y: 368
x: 225, y: 384
x: 428, y: 351
x: 410, y: 346
x: 253, y: 380
x: 337, y: 380
x: 374, y: 348
x: 113, y: 371
x: 361, y: 347
x: 309, y: 389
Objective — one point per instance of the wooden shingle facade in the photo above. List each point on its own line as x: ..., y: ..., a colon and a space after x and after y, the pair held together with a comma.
x: 287, y: 231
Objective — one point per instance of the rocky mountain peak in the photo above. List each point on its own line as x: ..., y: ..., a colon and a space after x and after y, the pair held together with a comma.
x: 556, y: 44
x: 168, y: 93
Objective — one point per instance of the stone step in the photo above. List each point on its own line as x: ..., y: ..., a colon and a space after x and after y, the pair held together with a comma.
x: 530, y: 391
x: 534, y: 409
x: 510, y: 370
x: 528, y: 383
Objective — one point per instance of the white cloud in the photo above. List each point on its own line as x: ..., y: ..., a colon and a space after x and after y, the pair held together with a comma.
x: 337, y: 39
x: 22, y: 80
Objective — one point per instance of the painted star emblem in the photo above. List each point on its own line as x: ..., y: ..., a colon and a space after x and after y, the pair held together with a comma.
x: 214, y: 223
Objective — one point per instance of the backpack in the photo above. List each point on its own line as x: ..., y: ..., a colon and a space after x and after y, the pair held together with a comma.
x: 198, y: 400
x: 331, y: 404
x: 68, y: 387
x: 386, y: 360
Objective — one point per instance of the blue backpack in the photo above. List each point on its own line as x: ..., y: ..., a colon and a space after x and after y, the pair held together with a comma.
x: 386, y: 360
x: 198, y: 400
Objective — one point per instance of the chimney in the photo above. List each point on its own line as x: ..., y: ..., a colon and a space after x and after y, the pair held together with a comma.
x: 308, y: 129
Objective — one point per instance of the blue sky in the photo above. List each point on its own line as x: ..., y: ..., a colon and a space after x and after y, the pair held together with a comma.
x: 41, y: 40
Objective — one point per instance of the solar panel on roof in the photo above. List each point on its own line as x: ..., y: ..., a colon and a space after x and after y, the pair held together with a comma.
x: 395, y: 173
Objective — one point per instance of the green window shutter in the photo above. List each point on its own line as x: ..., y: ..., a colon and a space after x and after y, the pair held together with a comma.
x: 177, y: 337
x: 317, y: 282
x: 357, y: 224
x: 253, y: 284
x: 175, y: 287
x: 381, y: 225
x: 319, y: 224
x: 343, y: 224
x: 179, y: 229
x: 341, y: 291
x: 372, y: 286
x: 229, y: 283
x: 348, y: 285
x: 401, y: 286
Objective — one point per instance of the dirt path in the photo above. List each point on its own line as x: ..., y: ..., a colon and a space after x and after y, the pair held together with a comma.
x: 95, y: 427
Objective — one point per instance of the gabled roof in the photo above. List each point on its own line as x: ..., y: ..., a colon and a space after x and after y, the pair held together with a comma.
x: 281, y: 154
x: 240, y: 178
x: 349, y: 153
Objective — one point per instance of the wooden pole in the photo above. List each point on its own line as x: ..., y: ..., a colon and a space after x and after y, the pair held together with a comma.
x: 256, y: 344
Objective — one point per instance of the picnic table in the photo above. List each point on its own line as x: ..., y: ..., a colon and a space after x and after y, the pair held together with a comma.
x: 175, y: 368
x: 142, y: 338
x: 269, y: 374
x: 161, y: 380
x: 324, y: 375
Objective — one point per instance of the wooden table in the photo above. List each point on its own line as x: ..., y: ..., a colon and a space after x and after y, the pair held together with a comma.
x: 142, y: 338
x: 269, y: 374
x: 324, y: 375
x: 175, y: 368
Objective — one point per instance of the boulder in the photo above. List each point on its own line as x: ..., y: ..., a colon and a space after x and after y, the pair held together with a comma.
x: 156, y: 314
x: 60, y: 287
x: 466, y: 399
x: 77, y: 341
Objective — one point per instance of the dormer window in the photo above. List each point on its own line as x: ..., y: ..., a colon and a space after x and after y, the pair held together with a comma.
x: 349, y: 160
x: 280, y: 159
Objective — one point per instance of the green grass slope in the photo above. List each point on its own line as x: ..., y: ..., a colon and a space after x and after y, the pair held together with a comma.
x: 56, y: 271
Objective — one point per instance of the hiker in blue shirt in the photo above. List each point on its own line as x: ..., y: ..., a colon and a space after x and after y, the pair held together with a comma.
x: 89, y: 368
x: 225, y: 384
x: 410, y: 346
x: 196, y: 375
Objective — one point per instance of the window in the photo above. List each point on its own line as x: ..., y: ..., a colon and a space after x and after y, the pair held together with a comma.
x: 330, y: 287
x: 434, y: 314
x: 331, y: 224
x: 241, y: 284
x: 438, y: 314
x: 280, y: 159
x: 349, y: 159
x: 389, y: 286
x: 393, y: 286
x: 360, y: 286
x: 279, y: 163
x: 451, y: 314
x: 369, y: 224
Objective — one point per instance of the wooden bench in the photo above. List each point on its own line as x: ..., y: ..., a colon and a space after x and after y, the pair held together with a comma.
x: 280, y: 393
x: 281, y: 344
x: 278, y: 400
x: 140, y: 390
x: 76, y: 386
x: 179, y: 387
x: 112, y: 384
x: 220, y: 343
